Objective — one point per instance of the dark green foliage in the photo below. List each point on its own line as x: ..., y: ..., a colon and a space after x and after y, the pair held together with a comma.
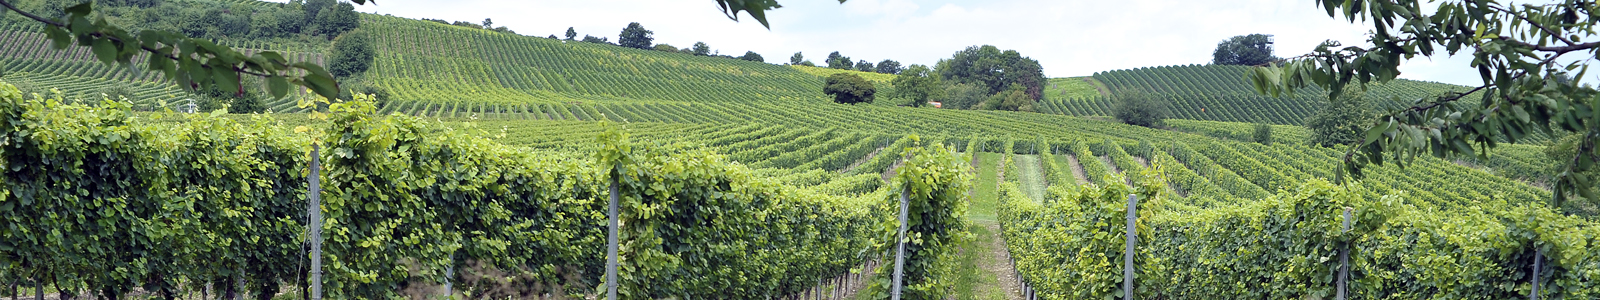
x: 338, y: 19
x: 848, y: 88
x: 808, y: 63
x: 916, y: 86
x: 1262, y: 134
x: 571, y: 33
x: 552, y: 37
x: 118, y: 92
x: 838, y: 61
x: 1525, y: 89
x: 467, y: 24
x: 994, y: 70
x: 665, y: 48
x: 488, y: 23
x: 701, y: 49
x: 635, y: 36
x: 1012, y: 100
x: 964, y: 96
x: 888, y: 66
x: 793, y: 60
x: 1248, y: 50
x: 352, y: 54
x: 596, y: 40
x: 1136, y: 107
x: 133, y: 3
x: 752, y: 56
x: 1342, y: 121
x: 864, y: 66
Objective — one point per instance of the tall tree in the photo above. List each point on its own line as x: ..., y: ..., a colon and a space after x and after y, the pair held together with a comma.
x: 1528, y: 86
x: 635, y: 36
x: 796, y: 59
x: 1248, y: 50
x: 571, y: 33
x: 889, y: 66
x: 752, y: 56
x: 916, y: 86
x: 701, y: 49
x: 849, y: 88
x: 995, y: 70
x: 337, y: 19
x: 838, y: 61
x: 864, y: 66
x: 488, y: 23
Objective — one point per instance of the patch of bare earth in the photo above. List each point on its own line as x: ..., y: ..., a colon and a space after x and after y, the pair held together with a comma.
x: 1077, y: 169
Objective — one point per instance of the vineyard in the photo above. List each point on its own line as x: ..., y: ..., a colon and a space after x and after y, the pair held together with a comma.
x: 1218, y: 93
x: 488, y: 173
x: 29, y: 60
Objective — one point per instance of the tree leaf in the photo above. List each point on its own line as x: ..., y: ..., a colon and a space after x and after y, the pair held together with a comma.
x: 278, y: 86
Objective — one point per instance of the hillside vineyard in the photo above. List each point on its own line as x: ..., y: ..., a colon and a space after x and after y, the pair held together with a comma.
x: 488, y: 169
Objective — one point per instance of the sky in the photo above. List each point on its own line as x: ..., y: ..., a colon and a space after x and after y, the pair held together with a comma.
x: 1068, y: 37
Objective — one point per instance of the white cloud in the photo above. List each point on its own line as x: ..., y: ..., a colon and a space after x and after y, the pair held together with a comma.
x: 1070, y: 38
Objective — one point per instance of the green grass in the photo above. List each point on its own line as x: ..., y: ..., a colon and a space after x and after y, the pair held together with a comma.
x: 973, y: 282
x: 874, y: 77
x: 984, y: 190
x: 1032, y: 177
x: 1071, y: 88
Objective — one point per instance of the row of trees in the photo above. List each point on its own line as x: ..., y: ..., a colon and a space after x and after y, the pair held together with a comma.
x: 839, y: 61
x: 978, y: 77
x: 637, y: 37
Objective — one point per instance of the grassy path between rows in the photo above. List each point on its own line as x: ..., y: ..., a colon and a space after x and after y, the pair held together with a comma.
x: 984, y: 271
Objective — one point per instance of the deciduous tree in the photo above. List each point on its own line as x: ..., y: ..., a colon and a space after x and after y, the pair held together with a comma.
x: 889, y: 66
x: 917, y: 86
x: 701, y: 49
x: 848, y: 88
x: 1135, y: 107
x: 864, y: 66
x: 796, y: 58
x: 1529, y: 84
x: 635, y: 36
x: 994, y: 70
x: 752, y: 56
x: 1248, y: 50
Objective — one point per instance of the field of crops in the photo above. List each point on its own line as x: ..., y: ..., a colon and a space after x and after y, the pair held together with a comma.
x: 1219, y: 93
x: 738, y: 180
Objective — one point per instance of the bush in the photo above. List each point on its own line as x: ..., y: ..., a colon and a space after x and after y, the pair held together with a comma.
x: 352, y: 54
x: 1342, y: 121
x: 1136, y: 107
x: 1262, y: 134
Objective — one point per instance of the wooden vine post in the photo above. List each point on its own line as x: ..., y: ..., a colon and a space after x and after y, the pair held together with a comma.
x: 314, y: 208
x: 611, y: 243
x: 900, y: 245
x: 1127, y: 254
x: 1344, y: 263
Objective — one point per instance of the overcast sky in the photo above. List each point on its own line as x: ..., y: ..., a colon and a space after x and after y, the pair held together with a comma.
x: 1068, y: 37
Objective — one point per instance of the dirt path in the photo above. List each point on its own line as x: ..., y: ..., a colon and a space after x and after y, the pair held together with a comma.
x: 1077, y: 169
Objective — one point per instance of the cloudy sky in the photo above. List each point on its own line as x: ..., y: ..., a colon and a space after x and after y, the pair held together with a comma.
x: 1069, y: 37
